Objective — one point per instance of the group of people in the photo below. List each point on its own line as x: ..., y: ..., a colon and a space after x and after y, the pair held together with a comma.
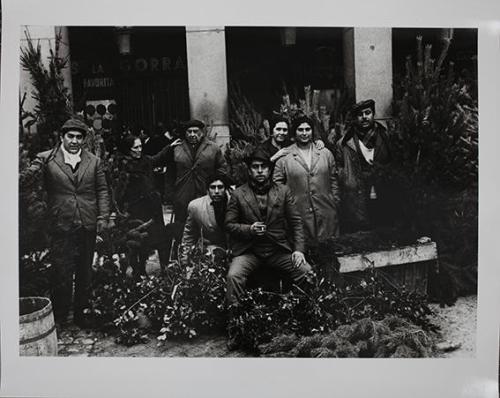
x: 296, y: 194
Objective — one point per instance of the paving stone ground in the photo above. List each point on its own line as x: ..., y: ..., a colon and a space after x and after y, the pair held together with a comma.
x: 458, y: 325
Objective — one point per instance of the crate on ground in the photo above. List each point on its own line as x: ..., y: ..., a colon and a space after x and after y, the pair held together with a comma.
x: 406, y: 266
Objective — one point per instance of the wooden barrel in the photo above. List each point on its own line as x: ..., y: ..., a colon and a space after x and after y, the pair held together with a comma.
x: 37, y: 330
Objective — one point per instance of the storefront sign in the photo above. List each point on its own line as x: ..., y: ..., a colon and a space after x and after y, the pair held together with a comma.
x: 153, y: 64
x: 98, y: 82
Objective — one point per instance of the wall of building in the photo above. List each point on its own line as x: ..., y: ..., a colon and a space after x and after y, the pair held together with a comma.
x: 45, y: 37
x: 368, y: 66
x: 207, y: 78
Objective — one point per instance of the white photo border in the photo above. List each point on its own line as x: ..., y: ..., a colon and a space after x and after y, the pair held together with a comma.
x: 253, y: 377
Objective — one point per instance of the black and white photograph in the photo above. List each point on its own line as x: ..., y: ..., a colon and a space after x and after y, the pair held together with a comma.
x: 280, y: 192
x: 249, y: 191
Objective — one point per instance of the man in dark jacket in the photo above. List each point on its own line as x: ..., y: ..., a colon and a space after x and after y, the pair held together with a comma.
x: 193, y: 161
x: 78, y: 208
x: 363, y: 148
x: 264, y: 227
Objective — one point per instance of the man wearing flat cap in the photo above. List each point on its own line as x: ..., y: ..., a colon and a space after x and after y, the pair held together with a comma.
x: 363, y: 148
x: 192, y: 162
x: 78, y: 209
x: 264, y: 227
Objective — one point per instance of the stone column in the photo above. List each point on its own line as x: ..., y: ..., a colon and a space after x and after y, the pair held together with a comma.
x: 65, y: 53
x: 207, y: 78
x: 45, y: 36
x: 368, y: 66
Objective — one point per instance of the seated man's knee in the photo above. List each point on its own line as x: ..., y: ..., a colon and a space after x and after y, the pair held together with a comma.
x: 240, y: 268
x: 235, y: 272
x: 232, y: 274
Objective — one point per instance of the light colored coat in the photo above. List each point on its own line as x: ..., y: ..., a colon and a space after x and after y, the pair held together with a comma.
x: 201, y: 223
x: 315, y: 189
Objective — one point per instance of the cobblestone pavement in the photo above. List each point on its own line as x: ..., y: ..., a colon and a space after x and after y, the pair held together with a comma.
x: 72, y: 341
x: 75, y: 342
x: 458, y: 329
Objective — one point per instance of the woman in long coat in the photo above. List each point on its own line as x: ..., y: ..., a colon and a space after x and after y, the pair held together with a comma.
x: 312, y: 176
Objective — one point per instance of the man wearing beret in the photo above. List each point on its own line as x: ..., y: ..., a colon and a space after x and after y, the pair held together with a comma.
x: 363, y: 148
x: 78, y: 209
x: 192, y: 162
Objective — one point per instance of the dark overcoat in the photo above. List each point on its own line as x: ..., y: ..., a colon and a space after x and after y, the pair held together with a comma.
x: 356, y: 177
x: 192, y: 170
x: 140, y: 197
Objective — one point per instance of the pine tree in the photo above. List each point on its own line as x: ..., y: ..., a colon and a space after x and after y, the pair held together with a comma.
x: 53, y: 101
x: 53, y: 107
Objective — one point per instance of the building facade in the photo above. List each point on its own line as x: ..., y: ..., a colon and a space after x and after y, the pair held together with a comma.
x: 148, y: 77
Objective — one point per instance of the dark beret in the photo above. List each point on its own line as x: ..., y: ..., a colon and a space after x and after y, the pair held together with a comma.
x: 194, y: 123
x: 369, y: 103
x: 75, y: 124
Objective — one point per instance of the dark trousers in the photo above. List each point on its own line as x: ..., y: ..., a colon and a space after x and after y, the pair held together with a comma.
x: 138, y: 258
x: 180, y: 211
x: 145, y: 209
x: 242, y: 266
x: 72, y: 254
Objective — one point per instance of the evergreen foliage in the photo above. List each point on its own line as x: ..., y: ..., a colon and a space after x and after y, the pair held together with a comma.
x: 52, y: 109
x: 436, y: 122
x: 391, y: 337
x: 435, y: 165
x: 53, y: 101
x: 187, y: 302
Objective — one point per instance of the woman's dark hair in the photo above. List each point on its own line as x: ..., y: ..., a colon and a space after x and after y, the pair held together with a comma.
x: 298, y: 121
x: 275, y: 120
x: 127, y: 143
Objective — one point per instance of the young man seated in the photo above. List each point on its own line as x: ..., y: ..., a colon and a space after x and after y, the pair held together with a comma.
x: 264, y: 227
x: 205, y: 219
